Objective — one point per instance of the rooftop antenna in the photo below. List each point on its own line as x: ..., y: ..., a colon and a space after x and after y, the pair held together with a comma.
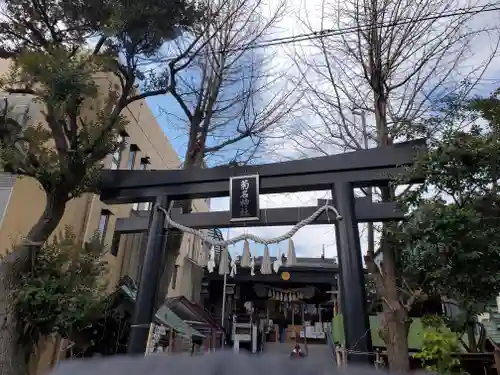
x: 323, y: 252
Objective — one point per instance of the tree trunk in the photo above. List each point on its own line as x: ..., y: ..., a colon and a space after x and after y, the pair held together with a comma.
x: 396, y: 322
x: 395, y: 326
x: 471, y: 336
x: 395, y: 317
x: 13, y: 357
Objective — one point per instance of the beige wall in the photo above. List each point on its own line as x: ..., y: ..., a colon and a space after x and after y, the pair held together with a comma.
x: 27, y: 202
x: 188, y: 275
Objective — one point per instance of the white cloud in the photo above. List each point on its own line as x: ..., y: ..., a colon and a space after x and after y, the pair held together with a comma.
x: 310, y: 240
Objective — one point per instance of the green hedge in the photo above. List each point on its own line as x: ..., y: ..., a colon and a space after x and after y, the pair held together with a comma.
x: 415, y: 335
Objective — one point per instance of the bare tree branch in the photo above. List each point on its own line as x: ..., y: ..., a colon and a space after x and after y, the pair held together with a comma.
x: 373, y: 84
x: 228, y: 94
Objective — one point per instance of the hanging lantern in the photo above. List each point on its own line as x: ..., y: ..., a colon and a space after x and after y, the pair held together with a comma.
x: 291, y: 259
x: 245, y: 260
x: 265, y: 267
x: 224, y: 261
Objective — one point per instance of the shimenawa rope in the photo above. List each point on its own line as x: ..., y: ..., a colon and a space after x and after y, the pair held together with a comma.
x: 253, y: 237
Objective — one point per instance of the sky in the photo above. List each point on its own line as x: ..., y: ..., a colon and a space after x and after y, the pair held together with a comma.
x: 312, y: 240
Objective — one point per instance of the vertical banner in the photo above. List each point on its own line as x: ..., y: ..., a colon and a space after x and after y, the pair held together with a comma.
x: 244, y: 198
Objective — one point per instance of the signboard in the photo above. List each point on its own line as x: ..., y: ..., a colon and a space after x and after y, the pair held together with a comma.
x: 244, y: 198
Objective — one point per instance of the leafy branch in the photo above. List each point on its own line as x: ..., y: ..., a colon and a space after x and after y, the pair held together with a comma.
x: 62, y: 291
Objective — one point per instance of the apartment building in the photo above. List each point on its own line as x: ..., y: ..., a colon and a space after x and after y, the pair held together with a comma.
x: 145, y: 147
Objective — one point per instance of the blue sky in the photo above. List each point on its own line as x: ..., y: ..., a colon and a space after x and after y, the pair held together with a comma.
x: 176, y: 136
x: 309, y: 241
x: 174, y: 125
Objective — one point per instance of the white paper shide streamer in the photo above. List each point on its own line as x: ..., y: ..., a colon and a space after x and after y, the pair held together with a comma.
x: 211, y: 260
x: 291, y: 259
x: 245, y: 259
x: 203, y: 255
x: 265, y: 267
x: 224, y: 261
x: 277, y: 263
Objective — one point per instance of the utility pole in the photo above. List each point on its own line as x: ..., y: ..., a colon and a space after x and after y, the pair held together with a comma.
x: 369, y: 191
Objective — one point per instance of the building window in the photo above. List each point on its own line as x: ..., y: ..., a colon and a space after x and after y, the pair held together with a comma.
x: 174, y: 276
x: 103, y: 224
x: 132, y: 156
x: 146, y: 206
x: 117, y: 155
x: 145, y: 161
x: 115, y: 244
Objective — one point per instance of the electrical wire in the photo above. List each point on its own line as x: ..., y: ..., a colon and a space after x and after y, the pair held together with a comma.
x: 362, y: 28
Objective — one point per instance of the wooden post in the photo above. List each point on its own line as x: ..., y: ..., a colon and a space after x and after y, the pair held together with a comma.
x: 377, y: 359
x: 339, y: 356
x: 236, y: 345
x: 496, y: 355
x: 304, y: 328
x: 171, y: 338
x: 320, y: 318
x: 150, y: 336
x: 213, y: 340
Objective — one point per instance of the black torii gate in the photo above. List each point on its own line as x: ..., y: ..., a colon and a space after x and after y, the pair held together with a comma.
x: 339, y: 173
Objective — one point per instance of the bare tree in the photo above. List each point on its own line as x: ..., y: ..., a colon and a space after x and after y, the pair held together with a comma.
x: 230, y: 95
x: 391, y: 61
x: 227, y: 97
